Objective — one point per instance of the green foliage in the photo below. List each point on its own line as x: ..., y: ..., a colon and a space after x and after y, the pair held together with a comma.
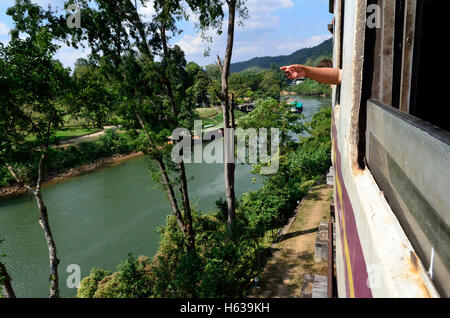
x: 94, y: 100
x: 131, y: 280
x: 257, y: 84
x: 89, y: 284
x: 312, y: 88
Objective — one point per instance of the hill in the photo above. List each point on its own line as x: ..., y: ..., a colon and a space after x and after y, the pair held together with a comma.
x: 301, y: 56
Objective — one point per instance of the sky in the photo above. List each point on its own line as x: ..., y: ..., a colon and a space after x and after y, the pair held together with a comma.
x: 274, y: 27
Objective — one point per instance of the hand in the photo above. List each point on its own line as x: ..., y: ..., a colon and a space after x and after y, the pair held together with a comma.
x: 294, y: 71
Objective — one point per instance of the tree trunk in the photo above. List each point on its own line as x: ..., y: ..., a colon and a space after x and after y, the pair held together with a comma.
x: 169, y: 188
x: 187, y: 229
x: 172, y: 198
x: 54, y: 261
x: 5, y: 281
x: 187, y: 207
x: 229, y: 165
x: 182, y: 170
x: 44, y: 223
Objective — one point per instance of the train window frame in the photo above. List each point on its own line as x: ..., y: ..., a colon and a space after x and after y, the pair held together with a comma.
x: 389, y: 88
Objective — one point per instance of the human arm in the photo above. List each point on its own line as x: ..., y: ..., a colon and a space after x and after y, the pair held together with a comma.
x: 325, y: 75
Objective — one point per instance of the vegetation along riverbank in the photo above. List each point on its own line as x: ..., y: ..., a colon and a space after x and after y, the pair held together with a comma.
x: 67, y: 162
x: 220, y: 265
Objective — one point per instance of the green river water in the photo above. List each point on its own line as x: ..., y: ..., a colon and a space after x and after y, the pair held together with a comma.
x: 98, y: 218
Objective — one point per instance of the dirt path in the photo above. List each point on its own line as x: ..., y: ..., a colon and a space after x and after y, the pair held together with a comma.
x: 74, y: 140
x: 294, y: 253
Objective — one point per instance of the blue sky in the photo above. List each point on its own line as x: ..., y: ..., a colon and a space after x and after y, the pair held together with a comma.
x: 274, y: 27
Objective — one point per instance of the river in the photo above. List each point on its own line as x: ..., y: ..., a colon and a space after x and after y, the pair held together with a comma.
x: 98, y: 218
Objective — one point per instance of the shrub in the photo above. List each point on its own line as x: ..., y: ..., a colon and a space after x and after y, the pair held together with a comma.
x: 89, y: 285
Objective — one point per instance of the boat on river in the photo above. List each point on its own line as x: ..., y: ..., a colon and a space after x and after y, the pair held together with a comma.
x: 296, y: 106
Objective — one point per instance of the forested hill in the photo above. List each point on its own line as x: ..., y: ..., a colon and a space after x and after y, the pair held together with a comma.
x: 299, y: 57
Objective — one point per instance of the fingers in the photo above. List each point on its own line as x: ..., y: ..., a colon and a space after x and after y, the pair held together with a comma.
x: 287, y: 70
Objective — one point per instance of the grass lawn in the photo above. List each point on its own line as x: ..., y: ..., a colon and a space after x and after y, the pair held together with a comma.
x: 218, y: 119
x: 206, y: 112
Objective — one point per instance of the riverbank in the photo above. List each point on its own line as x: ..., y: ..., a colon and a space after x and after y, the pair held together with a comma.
x: 56, y: 177
x: 320, y: 94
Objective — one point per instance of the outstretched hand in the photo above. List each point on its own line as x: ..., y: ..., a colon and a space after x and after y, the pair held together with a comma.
x: 294, y: 71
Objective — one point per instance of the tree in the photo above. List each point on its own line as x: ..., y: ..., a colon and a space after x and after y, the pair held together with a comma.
x: 271, y: 84
x: 32, y: 93
x: 198, y: 84
x: 211, y: 16
x: 150, y: 90
x: 228, y: 112
x: 93, y: 98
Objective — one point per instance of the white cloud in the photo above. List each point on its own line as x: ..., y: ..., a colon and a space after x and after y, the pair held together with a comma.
x: 4, y: 30
x: 268, y: 5
x: 261, y: 22
x: 192, y: 45
x: 261, y: 15
x: 147, y: 12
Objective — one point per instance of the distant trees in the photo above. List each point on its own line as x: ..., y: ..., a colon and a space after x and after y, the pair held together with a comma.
x: 314, y: 54
x: 94, y: 99
x: 257, y: 83
x: 198, y: 84
x: 312, y: 88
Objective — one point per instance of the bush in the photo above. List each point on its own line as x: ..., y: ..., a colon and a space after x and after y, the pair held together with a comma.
x: 89, y: 285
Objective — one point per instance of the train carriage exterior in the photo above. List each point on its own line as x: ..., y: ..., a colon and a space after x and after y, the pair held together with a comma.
x: 391, y: 153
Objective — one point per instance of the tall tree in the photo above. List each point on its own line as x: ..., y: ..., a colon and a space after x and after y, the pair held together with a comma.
x: 234, y: 7
x: 113, y: 30
x: 32, y: 91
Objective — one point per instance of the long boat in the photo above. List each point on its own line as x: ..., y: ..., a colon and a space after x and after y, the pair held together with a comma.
x: 390, y: 150
x: 296, y: 106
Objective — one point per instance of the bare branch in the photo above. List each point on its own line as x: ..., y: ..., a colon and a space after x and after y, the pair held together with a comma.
x: 220, y: 64
x: 19, y: 180
x: 219, y: 94
x: 40, y: 171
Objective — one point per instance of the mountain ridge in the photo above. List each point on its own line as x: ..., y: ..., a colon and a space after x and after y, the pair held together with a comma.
x: 301, y: 56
